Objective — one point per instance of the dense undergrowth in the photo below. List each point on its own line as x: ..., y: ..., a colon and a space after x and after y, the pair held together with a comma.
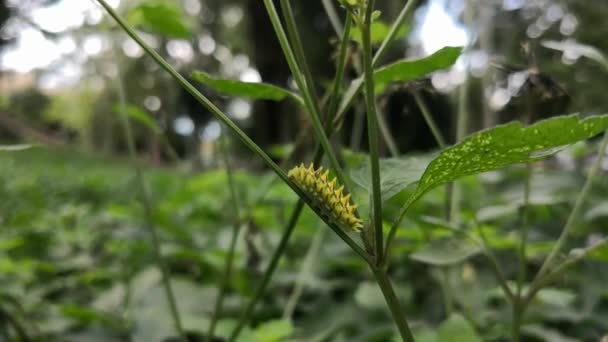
x: 75, y: 263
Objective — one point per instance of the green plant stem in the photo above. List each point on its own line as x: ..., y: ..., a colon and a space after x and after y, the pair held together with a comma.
x: 517, y: 314
x: 311, y: 105
x: 300, y: 56
x: 334, y: 99
x: 393, y: 303
x: 332, y: 14
x: 274, y: 261
x: 372, y: 131
x: 445, y: 271
x: 357, y: 131
x: 280, y: 250
x: 574, y: 214
x: 146, y: 202
x: 305, y: 272
x: 559, y: 270
x: 230, y: 124
x: 428, y: 118
x: 446, y: 289
x: 521, y: 276
x: 462, y: 121
x: 387, y: 136
x: 502, y: 280
x: 236, y: 228
x: 349, y: 97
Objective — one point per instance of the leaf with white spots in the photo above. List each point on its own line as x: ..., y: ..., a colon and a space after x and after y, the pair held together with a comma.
x: 505, y: 145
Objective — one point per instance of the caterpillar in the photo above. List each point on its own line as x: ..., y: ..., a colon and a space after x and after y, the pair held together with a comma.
x: 327, y: 196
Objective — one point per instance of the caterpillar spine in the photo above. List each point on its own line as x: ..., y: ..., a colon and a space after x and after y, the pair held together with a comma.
x: 327, y: 196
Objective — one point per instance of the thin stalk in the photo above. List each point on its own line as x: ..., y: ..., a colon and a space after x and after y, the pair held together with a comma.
x: 357, y: 131
x: 333, y: 16
x: 298, y: 49
x: 483, y: 244
x: 389, y: 140
x: 449, y: 188
x: 445, y: 271
x: 236, y: 227
x: 405, y: 13
x: 229, y: 123
x: 372, y: 130
x: 574, y: 214
x: 146, y: 202
x: 274, y: 261
x: 446, y: 290
x: 524, y: 213
x: 521, y: 276
x: 517, y: 314
x: 334, y: 99
x: 311, y: 105
x: 559, y: 270
x: 280, y: 250
x: 462, y: 123
x: 498, y: 272
x: 307, y: 269
x: 393, y: 303
x: 428, y: 118
x: 202, y: 99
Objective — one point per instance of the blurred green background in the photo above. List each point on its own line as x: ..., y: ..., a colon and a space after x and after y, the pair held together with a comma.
x: 76, y: 263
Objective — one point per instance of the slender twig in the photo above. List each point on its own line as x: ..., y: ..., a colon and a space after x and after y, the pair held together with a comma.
x: 332, y: 14
x: 393, y: 303
x: 334, y: 99
x: 498, y: 272
x: 236, y: 227
x: 559, y: 270
x: 230, y: 124
x: 487, y: 251
x: 348, y: 99
x: 387, y: 136
x: 445, y: 271
x: 274, y: 261
x: 574, y: 214
x: 372, y: 131
x: 306, y: 270
x: 428, y: 118
x: 280, y: 250
x: 298, y: 49
x: 305, y: 88
x: 146, y: 202
x: 524, y: 218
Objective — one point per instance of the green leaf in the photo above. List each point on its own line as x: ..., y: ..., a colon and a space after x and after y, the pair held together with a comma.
x: 407, y: 70
x: 11, y: 148
x: 379, y: 31
x: 162, y: 18
x: 256, y: 91
x: 396, y: 174
x: 600, y: 253
x: 597, y: 211
x: 273, y: 331
x: 138, y: 115
x: 457, y: 328
x: 506, y: 145
x: 446, y: 252
x: 403, y: 71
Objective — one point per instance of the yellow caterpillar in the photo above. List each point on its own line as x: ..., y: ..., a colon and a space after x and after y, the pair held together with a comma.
x: 326, y: 196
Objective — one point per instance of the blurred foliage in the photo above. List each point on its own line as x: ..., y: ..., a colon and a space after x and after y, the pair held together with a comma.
x: 76, y: 262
